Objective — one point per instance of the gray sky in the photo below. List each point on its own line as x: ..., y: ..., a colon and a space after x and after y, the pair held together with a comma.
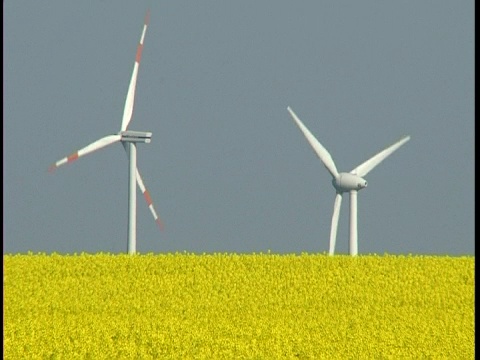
x: 227, y: 168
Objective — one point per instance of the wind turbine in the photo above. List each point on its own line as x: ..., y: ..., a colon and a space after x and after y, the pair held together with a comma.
x: 128, y: 139
x: 351, y: 182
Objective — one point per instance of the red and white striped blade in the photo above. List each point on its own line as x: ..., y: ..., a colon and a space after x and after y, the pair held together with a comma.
x: 96, y: 145
x: 145, y: 193
x: 128, y: 110
x: 148, y: 199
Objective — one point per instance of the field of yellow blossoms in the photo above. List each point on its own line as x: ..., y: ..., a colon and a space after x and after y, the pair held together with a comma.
x: 238, y: 306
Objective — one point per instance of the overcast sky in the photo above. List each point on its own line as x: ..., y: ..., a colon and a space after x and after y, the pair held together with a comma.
x: 227, y: 168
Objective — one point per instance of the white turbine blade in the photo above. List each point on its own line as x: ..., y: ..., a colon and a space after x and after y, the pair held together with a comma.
x: 322, y: 153
x: 128, y: 110
x: 146, y: 194
x: 364, y: 168
x: 335, y: 216
x: 96, y: 145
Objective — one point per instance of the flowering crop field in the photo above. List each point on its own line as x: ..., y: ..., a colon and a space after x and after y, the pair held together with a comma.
x: 238, y: 306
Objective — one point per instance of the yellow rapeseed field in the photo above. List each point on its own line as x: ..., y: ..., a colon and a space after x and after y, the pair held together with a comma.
x: 232, y: 306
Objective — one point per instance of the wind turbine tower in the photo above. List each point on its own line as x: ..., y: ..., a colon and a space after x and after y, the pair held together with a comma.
x: 350, y: 182
x: 129, y: 139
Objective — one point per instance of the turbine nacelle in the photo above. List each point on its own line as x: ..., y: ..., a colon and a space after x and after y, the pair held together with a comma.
x: 135, y: 136
x: 346, y: 182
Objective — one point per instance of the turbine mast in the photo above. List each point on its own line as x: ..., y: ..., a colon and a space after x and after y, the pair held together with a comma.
x: 353, y: 246
x: 132, y: 199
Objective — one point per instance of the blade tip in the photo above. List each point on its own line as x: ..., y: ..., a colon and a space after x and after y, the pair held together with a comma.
x: 160, y: 224
x: 147, y: 17
x: 52, y: 168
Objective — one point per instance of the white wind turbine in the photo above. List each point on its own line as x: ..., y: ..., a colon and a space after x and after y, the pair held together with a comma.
x: 343, y: 182
x: 128, y: 139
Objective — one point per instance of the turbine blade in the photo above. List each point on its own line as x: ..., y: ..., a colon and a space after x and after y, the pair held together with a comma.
x: 128, y: 110
x: 146, y: 195
x: 322, y: 153
x: 333, y: 231
x: 364, y: 168
x: 148, y: 199
x: 96, y: 145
